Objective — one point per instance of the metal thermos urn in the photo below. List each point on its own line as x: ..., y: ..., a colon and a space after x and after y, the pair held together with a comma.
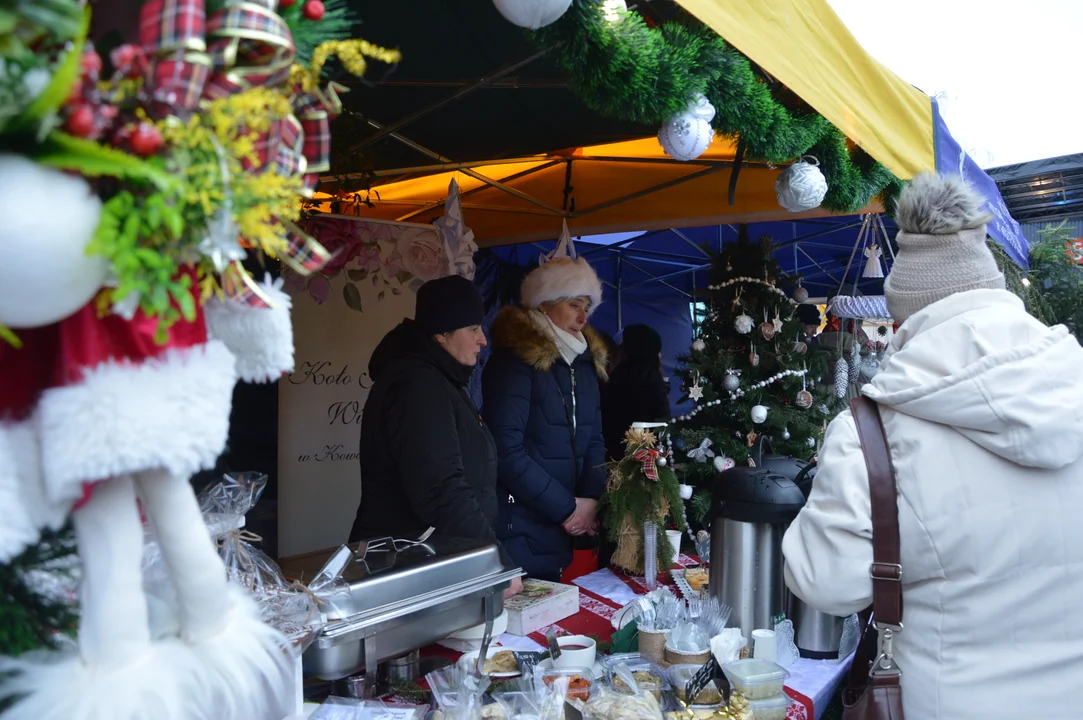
x: 752, y: 506
x: 817, y: 634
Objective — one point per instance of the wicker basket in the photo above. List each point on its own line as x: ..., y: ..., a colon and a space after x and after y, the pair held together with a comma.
x: 673, y: 657
x: 652, y: 645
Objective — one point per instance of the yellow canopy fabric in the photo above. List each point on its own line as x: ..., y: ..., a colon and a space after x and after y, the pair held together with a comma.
x: 805, y: 45
x: 616, y: 187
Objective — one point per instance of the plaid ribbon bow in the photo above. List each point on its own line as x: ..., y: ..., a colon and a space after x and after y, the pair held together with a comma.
x: 649, y: 459
x: 244, y: 45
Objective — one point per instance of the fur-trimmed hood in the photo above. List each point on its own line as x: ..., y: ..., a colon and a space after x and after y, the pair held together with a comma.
x: 514, y: 330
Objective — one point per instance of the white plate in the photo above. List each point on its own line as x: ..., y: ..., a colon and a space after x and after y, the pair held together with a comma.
x: 598, y: 671
x: 686, y: 590
x: 471, y: 657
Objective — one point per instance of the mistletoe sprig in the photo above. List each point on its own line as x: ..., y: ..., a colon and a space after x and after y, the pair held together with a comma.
x: 633, y: 72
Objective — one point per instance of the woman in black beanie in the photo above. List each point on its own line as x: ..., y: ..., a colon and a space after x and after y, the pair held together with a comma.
x: 427, y: 458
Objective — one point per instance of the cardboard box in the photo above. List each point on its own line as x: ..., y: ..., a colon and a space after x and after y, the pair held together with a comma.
x: 539, y: 605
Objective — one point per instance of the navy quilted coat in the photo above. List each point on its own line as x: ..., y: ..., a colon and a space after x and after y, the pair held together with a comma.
x: 545, y: 460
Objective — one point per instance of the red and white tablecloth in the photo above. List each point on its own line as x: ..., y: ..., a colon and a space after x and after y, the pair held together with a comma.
x: 602, y: 593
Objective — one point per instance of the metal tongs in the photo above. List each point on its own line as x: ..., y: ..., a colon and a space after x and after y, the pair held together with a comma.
x: 387, y: 544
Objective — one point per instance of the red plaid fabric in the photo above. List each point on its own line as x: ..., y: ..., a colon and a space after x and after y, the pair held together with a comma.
x: 238, y: 285
x: 648, y: 459
x: 171, y: 33
x: 305, y: 255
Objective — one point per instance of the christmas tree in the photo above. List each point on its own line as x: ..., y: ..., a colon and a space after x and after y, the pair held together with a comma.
x: 749, y: 371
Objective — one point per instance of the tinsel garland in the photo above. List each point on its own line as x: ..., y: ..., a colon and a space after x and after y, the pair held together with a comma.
x: 633, y: 72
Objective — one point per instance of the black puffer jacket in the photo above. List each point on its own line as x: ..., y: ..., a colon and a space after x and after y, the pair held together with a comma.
x: 427, y: 458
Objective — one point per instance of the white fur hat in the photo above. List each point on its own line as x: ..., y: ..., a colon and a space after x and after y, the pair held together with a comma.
x: 942, y: 248
x: 559, y: 279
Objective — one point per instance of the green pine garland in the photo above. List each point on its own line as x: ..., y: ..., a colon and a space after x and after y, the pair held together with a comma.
x: 633, y: 72
x: 28, y: 620
x: 336, y: 24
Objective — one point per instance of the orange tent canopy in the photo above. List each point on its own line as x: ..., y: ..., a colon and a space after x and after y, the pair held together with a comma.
x: 617, y: 187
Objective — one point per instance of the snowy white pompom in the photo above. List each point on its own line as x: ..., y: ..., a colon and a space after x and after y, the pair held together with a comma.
x: 759, y: 414
x: 743, y: 324
x: 723, y: 463
x: 688, y: 135
x: 532, y: 14
x: 48, y: 219
x: 812, y: 442
x: 801, y: 186
x: 686, y: 492
x: 699, y: 345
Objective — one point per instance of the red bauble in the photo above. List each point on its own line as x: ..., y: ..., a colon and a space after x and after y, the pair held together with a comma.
x: 76, y: 93
x: 146, y: 140
x: 80, y: 122
x: 313, y: 10
x: 91, y: 63
x: 286, y: 4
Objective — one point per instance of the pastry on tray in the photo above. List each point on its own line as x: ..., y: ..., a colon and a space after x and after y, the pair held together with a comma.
x: 696, y: 578
x: 502, y: 662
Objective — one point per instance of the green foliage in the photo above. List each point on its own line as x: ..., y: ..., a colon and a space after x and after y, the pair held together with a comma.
x: 29, y: 620
x: 729, y: 423
x: 632, y: 72
x: 336, y: 24
x: 91, y: 159
x: 135, y: 235
x: 1056, y: 280
x: 632, y: 495
x: 1029, y: 291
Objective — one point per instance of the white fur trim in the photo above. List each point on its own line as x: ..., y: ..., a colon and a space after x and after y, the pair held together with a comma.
x: 24, y: 510
x: 559, y: 279
x: 245, y: 668
x: 260, y: 338
x: 171, y: 413
x: 933, y: 204
x: 162, y: 684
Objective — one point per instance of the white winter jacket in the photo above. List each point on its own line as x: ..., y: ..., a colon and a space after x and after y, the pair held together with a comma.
x: 983, y: 408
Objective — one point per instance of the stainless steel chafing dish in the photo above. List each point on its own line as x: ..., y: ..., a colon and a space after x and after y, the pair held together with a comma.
x: 395, y: 596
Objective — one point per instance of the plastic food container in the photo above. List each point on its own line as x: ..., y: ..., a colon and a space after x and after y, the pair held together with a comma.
x: 756, y: 679
x: 648, y: 676
x: 679, y: 675
x: 773, y: 708
x: 580, y: 682
x: 629, y: 659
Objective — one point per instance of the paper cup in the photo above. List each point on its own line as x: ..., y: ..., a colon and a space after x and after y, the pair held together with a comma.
x: 675, y: 541
x: 764, y: 645
x: 576, y: 651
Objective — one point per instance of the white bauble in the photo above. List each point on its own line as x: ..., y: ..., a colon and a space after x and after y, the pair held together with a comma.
x: 811, y: 442
x: 800, y: 294
x: 723, y: 463
x: 662, y: 461
x: 801, y: 186
x: 699, y: 345
x: 686, y: 492
x: 743, y: 324
x: 731, y: 382
x: 46, y: 220
x: 759, y: 414
x: 688, y: 135
x: 785, y: 433
x: 532, y: 14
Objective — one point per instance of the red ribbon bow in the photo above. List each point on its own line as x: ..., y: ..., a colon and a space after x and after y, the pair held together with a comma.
x: 649, y: 459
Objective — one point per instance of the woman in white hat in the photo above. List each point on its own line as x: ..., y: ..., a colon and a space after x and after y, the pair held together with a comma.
x: 543, y: 405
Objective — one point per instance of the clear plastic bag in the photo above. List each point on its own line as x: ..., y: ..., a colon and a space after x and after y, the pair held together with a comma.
x: 609, y: 705
x: 335, y: 708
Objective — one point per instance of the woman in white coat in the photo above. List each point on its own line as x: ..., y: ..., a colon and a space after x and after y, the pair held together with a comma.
x: 983, y: 410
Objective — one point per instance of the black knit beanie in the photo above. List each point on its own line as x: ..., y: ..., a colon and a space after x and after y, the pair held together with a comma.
x: 809, y: 314
x: 447, y: 304
x: 642, y: 342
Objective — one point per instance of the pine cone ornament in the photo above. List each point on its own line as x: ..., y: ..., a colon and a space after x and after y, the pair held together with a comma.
x: 842, y: 377
x: 854, y: 364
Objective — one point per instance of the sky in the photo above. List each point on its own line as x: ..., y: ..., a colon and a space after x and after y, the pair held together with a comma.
x: 1007, y: 75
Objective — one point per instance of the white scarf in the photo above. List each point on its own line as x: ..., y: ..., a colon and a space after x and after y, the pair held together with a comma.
x: 570, y: 346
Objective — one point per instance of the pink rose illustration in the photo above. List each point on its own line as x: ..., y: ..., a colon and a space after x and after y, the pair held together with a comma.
x: 393, y: 264
x: 423, y: 254
x: 293, y: 282
x: 320, y: 289
x: 369, y: 257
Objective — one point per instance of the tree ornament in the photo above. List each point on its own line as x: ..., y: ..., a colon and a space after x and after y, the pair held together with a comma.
x: 743, y: 324
x: 803, y: 399
x: 145, y: 140
x: 854, y: 365
x: 873, y: 269
x: 801, y: 186
x: 286, y: 4
x: 753, y: 357
x: 532, y: 14
x: 751, y: 437
x: 723, y: 463
x: 688, y: 135
x: 698, y: 345
x: 800, y: 294
x: 759, y: 414
x: 785, y: 433
x: 777, y: 322
x: 842, y: 377
x: 662, y: 461
x: 767, y: 328
x: 80, y: 122
x: 696, y: 391
x: 811, y: 442
x: 46, y: 274
x: 800, y: 347
x: 731, y: 382
x: 869, y: 367
x: 313, y: 10
x: 703, y: 452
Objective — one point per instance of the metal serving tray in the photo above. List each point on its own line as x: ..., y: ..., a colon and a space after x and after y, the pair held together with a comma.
x: 389, y: 602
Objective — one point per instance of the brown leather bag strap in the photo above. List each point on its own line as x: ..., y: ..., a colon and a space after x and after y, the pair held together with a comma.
x: 886, y: 570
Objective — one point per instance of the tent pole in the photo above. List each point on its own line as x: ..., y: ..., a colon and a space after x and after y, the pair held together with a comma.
x: 620, y: 288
